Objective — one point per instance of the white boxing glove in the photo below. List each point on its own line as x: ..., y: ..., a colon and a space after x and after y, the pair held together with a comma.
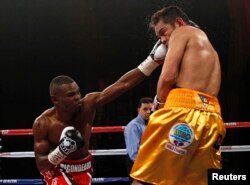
x: 159, y: 52
x: 155, y: 58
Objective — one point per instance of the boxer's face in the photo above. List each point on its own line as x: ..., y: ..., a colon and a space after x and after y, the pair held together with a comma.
x: 68, y: 97
x: 163, y: 31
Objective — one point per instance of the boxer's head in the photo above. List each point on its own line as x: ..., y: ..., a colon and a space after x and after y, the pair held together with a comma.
x: 65, y: 93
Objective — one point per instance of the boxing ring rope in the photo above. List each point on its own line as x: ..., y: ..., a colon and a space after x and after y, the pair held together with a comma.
x: 40, y: 181
x: 24, y: 132
x: 240, y: 148
x: 106, y: 129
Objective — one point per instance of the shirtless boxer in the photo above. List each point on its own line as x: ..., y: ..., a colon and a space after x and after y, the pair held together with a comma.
x: 182, y: 139
x: 62, y: 133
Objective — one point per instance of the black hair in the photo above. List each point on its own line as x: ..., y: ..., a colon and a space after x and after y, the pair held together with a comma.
x: 168, y: 14
x: 145, y: 100
x: 59, y: 80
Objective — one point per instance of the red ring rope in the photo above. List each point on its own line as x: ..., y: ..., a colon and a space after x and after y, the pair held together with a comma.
x: 106, y: 129
x: 22, y: 132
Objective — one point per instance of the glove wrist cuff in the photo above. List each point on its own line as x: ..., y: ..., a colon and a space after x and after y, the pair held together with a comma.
x: 56, y: 156
x: 148, y: 66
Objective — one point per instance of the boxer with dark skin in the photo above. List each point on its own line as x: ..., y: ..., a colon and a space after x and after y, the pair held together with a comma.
x: 72, y: 110
x: 62, y: 132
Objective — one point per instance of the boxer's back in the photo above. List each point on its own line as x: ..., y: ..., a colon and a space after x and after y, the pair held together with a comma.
x: 200, y: 66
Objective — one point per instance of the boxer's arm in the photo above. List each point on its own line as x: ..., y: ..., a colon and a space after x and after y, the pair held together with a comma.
x: 45, y: 159
x: 170, y: 69
x: 41, y: 144
x: 133, y: 77
x: 126, y: 82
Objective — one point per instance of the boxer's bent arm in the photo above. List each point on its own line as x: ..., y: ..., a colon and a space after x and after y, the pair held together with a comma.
x: 41, y: 145
x: 170, y: 69
x: 42, y: 161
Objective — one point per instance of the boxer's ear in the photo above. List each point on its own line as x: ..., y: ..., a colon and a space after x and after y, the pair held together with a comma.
x: 179, y: 21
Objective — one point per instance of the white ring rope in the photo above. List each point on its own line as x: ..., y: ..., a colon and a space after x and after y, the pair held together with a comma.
x: 240, y: 148
x: 93, y: 152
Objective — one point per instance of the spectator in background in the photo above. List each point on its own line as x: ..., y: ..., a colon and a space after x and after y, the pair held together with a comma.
x: 135, y: 128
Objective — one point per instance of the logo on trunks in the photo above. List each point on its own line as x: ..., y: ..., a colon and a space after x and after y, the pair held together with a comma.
x: 181, y: 136
x: 205, y: 100
x: 70, y: 168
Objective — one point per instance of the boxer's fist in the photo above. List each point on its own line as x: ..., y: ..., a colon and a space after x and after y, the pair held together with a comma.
x: 159, y: 52
x: 70, y: 141
x: 155, y: 58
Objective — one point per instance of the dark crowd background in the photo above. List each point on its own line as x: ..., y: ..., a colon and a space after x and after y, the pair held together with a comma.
x: 95, y: 42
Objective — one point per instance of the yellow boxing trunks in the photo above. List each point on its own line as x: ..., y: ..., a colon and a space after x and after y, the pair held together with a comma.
x: 181, y: 141
x: 75, y: 172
